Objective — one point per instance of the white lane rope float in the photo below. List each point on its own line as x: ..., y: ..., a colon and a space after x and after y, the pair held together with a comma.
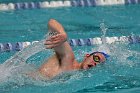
x: 7, y: 47
x: 66, y: 3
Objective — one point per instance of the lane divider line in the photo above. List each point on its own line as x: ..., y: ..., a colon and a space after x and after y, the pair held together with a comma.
x: 67, y: 3
x: 6, y: 47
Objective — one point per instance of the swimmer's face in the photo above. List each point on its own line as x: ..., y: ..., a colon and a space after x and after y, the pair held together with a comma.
x: 92, y: 60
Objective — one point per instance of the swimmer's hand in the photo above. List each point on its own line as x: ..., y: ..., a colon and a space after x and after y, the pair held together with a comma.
x: 55, y: 40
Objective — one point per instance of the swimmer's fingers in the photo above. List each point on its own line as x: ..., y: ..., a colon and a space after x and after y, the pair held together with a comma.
x: 55, y: 40
x: 52, y: 44
x: 58, y: 37
x: 48, y: 42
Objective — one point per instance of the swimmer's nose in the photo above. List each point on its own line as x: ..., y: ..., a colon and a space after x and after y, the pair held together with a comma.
x: 93, y: 64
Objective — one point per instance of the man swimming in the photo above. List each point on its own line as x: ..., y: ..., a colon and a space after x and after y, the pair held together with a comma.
x: 64, y: 59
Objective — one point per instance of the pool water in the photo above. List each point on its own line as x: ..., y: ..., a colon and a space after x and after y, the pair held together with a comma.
x: 120, y: 74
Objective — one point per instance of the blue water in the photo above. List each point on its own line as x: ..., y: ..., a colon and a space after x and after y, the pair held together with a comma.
x: 121, y: 72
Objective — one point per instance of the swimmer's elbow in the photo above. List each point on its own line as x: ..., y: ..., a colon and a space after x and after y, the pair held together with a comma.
x: 51, y: 22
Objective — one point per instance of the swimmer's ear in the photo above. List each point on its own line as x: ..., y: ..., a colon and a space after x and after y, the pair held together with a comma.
x: 86, y: 55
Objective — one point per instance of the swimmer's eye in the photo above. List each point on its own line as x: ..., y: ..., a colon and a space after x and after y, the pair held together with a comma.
x: 96, y: 58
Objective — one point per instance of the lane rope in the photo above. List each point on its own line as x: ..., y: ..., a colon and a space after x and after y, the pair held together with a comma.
x: 66, y: 3
x: 7, y: 47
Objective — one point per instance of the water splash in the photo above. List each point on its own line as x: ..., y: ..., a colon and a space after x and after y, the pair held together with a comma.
x: 24, y: 54
x: 15, y: 69
x: 103, y: 31
x: 103, y: 47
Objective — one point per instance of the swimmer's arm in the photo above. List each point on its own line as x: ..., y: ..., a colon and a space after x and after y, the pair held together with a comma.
x: 60, y: 45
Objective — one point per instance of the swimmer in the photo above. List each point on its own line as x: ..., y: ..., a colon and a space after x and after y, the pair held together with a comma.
x: 64, y: 60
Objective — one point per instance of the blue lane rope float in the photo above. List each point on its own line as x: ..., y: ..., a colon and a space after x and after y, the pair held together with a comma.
x: 5, y: 47
x: 11, y: 46
x: 66, y: 3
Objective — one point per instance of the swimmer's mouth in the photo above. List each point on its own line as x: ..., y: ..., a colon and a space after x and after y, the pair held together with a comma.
x: 90, y: 66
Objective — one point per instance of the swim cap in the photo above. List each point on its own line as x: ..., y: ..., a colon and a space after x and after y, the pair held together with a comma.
x: 106, y: 55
